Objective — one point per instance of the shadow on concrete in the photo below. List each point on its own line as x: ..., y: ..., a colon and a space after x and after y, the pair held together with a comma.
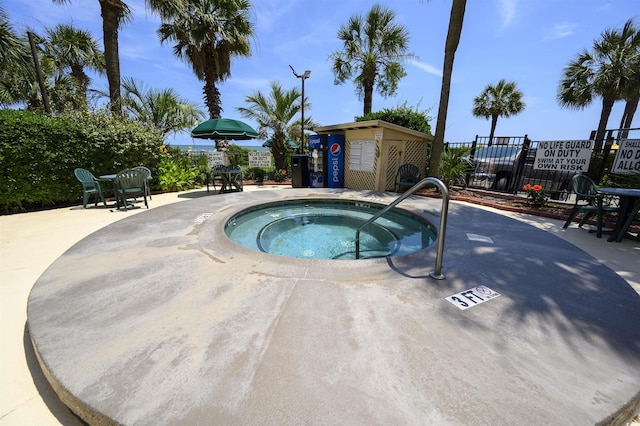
x: 550, y: 281
x: 197, y: 194
x: 60, y: 411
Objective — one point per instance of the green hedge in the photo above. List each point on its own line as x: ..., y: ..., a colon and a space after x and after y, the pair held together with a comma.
x: 39, y: 153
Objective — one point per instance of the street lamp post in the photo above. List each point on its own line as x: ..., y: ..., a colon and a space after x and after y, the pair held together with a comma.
x: 303, y: 77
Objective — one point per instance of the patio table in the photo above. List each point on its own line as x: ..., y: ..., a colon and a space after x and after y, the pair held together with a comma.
x: 231, y: 180
x: 628, y: 197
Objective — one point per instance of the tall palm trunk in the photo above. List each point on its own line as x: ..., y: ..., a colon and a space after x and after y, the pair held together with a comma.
x: 368, y: 96
x: 278, y: 150
x: 111, y: 14
x: 630, y: 109
x: 607, y: 106
x: 451, y: 45
x: 494, y: 122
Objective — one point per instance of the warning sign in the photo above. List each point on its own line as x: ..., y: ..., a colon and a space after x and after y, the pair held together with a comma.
x: 260, y: 159
x: 568, y: 156
x: 627, y: 160
x: 472, y: 297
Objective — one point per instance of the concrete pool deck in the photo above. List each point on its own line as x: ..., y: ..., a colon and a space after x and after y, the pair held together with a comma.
x: 273, y: 342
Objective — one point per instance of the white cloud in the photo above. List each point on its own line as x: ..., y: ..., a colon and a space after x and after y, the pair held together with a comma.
x: 561, y: 30
x: 426, y: 67
x: 507, y: 11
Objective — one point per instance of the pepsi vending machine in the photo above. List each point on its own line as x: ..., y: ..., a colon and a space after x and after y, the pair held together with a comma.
x: 335, y: 161
x: 316, y: 163
x: 326, y: 162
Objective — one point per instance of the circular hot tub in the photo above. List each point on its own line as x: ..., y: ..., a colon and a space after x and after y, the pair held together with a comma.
x: 326, y: 229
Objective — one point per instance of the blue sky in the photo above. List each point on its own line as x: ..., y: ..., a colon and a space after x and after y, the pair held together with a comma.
x: 526, y: 41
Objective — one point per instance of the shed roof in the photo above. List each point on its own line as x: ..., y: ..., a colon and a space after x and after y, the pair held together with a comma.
x: 371, y: 124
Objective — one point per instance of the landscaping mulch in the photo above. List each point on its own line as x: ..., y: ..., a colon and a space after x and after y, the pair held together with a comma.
x: 518, y: 204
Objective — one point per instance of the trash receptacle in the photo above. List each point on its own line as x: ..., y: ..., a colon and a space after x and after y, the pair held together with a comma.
x: 300, y: 171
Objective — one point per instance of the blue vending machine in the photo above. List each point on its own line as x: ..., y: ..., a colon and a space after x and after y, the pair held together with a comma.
x: 317, y: 144
x: 326, y: 161
x: 334, y: 173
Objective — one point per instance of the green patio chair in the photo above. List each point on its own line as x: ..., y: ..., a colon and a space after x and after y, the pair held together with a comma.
x: 148, y: 182
x: 91, y: 186
x: 587, y: 192
x: 406, y: 176
x: 130, y: 183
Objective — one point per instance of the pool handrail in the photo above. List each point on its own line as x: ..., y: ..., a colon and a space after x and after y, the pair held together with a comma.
x: 437, y: 273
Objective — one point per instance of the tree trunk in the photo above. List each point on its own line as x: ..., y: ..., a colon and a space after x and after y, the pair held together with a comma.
x: 211, y: 93
x: 629, y: 111
x: 451, y: 45
x: 368, y: 96
x: 81, y: 81
x: 110, y: 23
x: 494, y: 122
x: 607, y: 106
x: 278, y: 151
x: 212, y: 99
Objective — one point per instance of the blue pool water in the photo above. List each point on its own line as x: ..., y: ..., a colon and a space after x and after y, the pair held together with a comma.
x: 326, y: 229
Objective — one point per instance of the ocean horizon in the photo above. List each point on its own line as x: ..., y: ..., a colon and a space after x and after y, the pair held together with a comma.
x: 211, y: 147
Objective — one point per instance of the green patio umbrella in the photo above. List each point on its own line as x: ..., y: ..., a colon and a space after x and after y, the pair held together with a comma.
x: 224, y: 129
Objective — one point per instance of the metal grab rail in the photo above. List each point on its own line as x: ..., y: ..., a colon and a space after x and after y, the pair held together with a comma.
x: 437, y: 273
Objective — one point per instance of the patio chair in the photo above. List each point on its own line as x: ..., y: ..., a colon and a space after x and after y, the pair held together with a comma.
x: 586, y: 191
x: 406, y: 176
x: 90, y: 186
x: 148, y: 181
x: 130, y: 183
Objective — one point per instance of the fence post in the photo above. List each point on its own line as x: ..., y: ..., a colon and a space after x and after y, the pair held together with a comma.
x: 520, y: 166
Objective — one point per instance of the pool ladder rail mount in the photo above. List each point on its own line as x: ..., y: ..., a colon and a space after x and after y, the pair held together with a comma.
x: 437, y: 272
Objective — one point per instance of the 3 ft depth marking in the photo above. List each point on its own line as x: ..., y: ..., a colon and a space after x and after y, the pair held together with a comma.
x: 472, y: 297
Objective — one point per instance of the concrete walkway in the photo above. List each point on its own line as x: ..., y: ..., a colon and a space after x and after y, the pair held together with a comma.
x: 31, y: 242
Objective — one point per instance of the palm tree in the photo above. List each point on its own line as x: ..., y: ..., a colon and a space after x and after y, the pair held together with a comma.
x: 451, y: 45
x: 12, y: 47
x: 114, y: 12
x: 275, y: 114
x: 162, y: 110
x: 502, y: 100
x: 207, y: 34
x: 373, y: 46
x: 73, y: 50
x: 16, y: 70
x: 606, y: 72
x: 631, y: 96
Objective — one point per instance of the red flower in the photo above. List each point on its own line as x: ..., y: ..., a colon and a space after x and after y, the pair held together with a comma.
x: 537, y: 188
x: 526, y: 187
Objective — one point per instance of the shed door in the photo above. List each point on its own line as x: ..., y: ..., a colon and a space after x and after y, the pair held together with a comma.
x: 391, y: 161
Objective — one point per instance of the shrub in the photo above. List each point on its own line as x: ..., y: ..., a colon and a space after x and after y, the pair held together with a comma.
x: 176, y: 173
x: 402, y: 115
x: 279, y: 175
x: 536, y: 194
x: 454, y: 164
x: 255, y: 173
x: 38, y: 154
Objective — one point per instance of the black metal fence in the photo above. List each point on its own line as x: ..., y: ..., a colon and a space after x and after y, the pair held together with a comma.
x: 505, y: 164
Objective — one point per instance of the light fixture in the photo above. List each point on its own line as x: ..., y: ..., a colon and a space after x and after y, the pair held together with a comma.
x: 303, y: 77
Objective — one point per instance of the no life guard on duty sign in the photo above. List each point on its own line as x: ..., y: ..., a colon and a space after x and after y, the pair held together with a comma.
x: 472, y: 297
